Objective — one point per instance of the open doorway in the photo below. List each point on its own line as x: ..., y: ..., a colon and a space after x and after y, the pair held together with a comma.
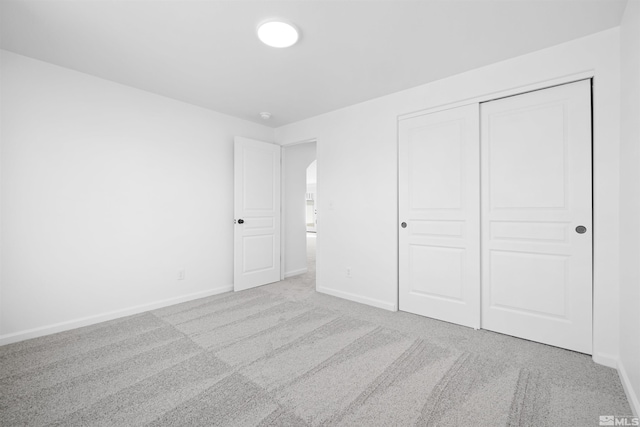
x: 300, y: 213
x: 311, y: 200
x: 311, y: 197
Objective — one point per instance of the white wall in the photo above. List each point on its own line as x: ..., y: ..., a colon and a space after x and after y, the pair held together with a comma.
x: 296, y: 160
x: 630, y: 203
x: 357, y: 154
x: 107, y: 191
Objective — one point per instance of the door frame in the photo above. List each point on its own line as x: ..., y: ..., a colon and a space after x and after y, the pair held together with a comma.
x: 588, y: 75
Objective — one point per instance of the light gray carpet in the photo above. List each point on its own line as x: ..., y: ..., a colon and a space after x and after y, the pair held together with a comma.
x: 284, y: 355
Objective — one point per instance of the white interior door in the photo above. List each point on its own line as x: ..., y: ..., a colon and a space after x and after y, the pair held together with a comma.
x: 439, y: 202
x: 257, y: 213
x: 536, y: 174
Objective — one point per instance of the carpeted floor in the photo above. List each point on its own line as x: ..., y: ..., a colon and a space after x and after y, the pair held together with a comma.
x: 284, y: 355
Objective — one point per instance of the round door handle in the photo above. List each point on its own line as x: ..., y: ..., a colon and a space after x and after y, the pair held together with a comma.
x: 581, y: 229
x: 403, y: 225
x: 241, y: 221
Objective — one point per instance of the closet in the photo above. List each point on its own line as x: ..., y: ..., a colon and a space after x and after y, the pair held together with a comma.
x: 495, y: 212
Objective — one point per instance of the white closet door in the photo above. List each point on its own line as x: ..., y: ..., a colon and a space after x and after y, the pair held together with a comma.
x: 536, y: 196
x: 439, y: 253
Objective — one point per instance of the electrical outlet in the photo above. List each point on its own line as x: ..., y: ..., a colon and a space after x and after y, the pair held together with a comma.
x: 348, y: 271
x: 181, y: 274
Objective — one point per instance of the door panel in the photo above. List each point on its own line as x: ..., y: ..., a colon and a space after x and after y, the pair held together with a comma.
x: 257, y: 204
x: 439, y: 254
x: 536, y: 175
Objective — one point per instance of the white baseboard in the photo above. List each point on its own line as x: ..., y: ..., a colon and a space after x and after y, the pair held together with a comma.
x: 632, y: 397
x: 295, y: 272
x: 358, y: 298
x: 90, y: 320
x: 607, y: 360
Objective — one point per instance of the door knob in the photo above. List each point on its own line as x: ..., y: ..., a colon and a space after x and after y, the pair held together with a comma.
x: 241, y: 221
x: 403, y: 225
x: 581, y: 229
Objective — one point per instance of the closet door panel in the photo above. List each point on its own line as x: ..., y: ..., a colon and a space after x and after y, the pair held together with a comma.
x: 439, y: 253
x: 536, y: 193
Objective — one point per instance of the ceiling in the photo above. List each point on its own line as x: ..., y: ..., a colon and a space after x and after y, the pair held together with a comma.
x: 206, y: 52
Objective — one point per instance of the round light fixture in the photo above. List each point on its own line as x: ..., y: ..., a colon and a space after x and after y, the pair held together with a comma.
x: 276, y: 33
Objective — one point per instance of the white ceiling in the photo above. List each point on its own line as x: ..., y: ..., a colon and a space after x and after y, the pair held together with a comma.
x: 206, y: 52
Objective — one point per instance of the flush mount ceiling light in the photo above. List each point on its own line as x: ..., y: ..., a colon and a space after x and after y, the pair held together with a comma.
x: 278, y: 33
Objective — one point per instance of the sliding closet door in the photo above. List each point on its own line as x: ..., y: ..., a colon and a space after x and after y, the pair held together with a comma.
x: 536, y: 216
x: 439, y: 252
